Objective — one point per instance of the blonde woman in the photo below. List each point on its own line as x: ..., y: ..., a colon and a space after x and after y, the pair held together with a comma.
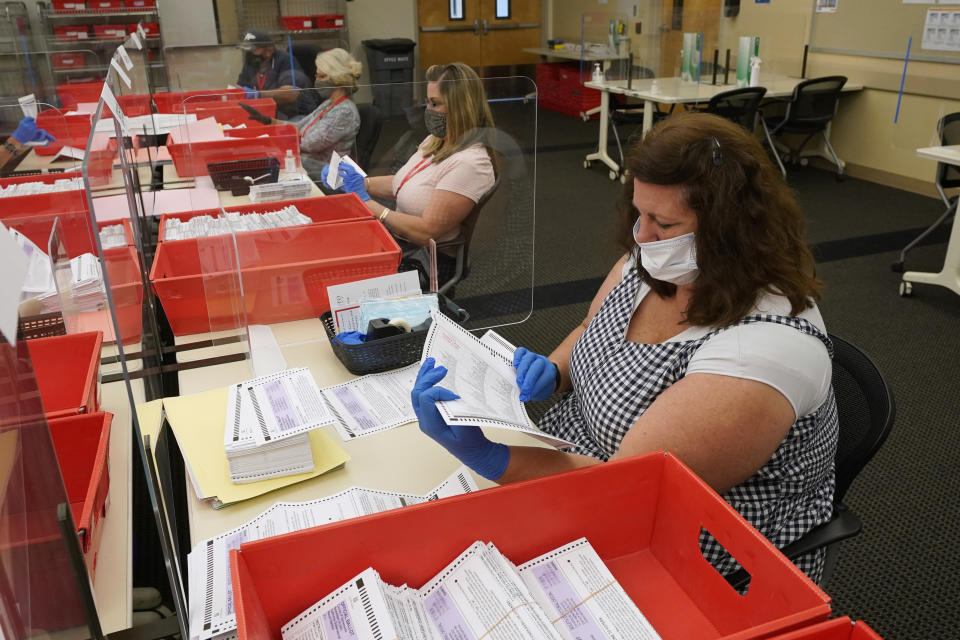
x: 334, y: 124
x: 452, y: 169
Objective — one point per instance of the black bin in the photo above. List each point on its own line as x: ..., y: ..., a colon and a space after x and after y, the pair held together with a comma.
x: 391, y: 63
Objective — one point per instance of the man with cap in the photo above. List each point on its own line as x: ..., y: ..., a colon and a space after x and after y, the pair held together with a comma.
x: 271, y: 73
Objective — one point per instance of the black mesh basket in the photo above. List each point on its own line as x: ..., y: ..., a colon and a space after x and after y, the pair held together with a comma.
x: 386, y: 353
x: 43, y: 325
x: 233, y: 173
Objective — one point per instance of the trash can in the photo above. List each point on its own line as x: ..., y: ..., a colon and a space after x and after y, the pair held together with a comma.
x: 391, y: 63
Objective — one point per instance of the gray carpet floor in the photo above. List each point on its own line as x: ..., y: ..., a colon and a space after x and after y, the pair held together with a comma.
x: 900, y: 574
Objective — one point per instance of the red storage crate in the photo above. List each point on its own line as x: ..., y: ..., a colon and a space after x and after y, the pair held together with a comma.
x: 285, y: 273
x: 643, y: 515
x: 109, y: 31
x: 82, y: 445
x: 126, y: 289
x: 72, y: 32
x: 322, y: 210
x: 173, y: 102
x: 69, y: 6
x: 73, y: 60
x: 560, y: 88
x: 150, y: 29
x: 72, y: 131
x: 191, y: 159
x: 67, y: 370
x: 72, y: 93
x: 139, y: 4
x: 836, y: 629
x: 328, y: 21
x: 230, y: 112
x: 296, y: 23
x: 42, y: 203
x: 104, y: 5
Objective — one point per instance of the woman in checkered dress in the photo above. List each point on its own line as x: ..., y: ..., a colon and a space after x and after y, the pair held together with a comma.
x: 704, y: 340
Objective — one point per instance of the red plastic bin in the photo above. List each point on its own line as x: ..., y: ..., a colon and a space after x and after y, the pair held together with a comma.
x: 69, y: 6
x: 110, y: 31
x: 836, y: 629
x: 322, y: 210
x: 42, y: 203
x: 72, y: 32
x: 296, y: 23
x: 328, y: 21
x: 139, y: 4
x: 82, y: 445
x: 104, y: 5
x: 191, y: 159
x: 72, y: 93
x: 173, y: 102
x: 285, y: 273
x: 643, y: 516
x: 126, y: 289
x: 67, y: 60
x: 151, y: 29
x: 71, y: 131
x: 67, y: 368
x: 230, y: 112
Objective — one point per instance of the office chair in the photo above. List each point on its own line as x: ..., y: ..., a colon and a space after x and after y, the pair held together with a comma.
x: 371, y: 121
x: 948, y: 177
x: 809, y: 112
x: 306, y: 54
x: 738, y: 105
x: 624, y: 112
x: 865, y: 410
x: 462, y: 241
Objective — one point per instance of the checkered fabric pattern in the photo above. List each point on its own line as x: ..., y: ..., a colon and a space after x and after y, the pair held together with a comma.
x: 614, y: 381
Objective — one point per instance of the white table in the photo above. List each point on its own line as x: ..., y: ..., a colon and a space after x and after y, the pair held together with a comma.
x: 676, y: 91
x: 401, y: 459
x: 949, y: 275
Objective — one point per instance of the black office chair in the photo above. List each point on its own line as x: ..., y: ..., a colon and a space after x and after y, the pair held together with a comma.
x: 808, y: 112
x: 738, y: 105
x: 462, y: 241
x: 865, y: 411
x: 371, y: 121
x: 306, y: 54
x: 625, y: 112
x: 948, y: 177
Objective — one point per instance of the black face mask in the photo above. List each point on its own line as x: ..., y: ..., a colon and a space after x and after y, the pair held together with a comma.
x: 253, y: 60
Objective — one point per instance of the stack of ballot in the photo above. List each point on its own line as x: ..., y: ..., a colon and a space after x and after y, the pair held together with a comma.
x: 34, y: 188
x: 268, y: 423
x: 86, y: 283
x: 232, y: 222
x: 86, y: 291
x: 113, y: 236
x: 287, y: 189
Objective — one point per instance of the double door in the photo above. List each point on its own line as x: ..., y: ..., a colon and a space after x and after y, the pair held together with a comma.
x: 678, y: 16
x: 480, y: 33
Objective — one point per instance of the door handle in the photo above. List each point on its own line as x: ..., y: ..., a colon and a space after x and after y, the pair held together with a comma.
x: 486, y: 27
x: 510, y: 26
x: 476, y: 27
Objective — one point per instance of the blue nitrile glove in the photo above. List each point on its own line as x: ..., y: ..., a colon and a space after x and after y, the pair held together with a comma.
x: 352, y: 181
x: 536, y: 375
x: 27, y: 131
x: 251, y: 93
x: 467, y: 444
x: 351, y: 337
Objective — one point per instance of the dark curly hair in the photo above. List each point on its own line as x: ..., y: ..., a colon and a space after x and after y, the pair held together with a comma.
x: 750, y: 229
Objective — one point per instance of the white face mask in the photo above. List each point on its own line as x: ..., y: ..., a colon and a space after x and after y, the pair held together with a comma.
x: 673, y: 260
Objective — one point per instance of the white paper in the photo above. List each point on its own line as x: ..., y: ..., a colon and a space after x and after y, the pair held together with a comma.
x: 373, y: 403
x: 334, y: 170
x: 211, y: 593
x: 28, y: 104
x: 120, y: 72
x: 499, y: 344
x: 111, y: 100
x: 345, y: 298
x: 941, y: 31
x: 286, y: 404
x: 581, y: 597
x: 13, y: 266
x: 127, y: 62
x: 484, y: 379
x: 135, y: 39
x: 67, y: 151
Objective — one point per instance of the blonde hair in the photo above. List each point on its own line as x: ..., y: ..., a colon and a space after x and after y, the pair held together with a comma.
x: 467, y: 109
x: 340, y: 67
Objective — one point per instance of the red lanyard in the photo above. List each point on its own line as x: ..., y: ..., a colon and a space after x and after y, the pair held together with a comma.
x: 423, y: 164
x: 322, y: 113
x: 261, y: 80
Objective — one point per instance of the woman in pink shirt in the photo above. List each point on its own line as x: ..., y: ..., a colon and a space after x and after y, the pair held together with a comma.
x: 452, y: 169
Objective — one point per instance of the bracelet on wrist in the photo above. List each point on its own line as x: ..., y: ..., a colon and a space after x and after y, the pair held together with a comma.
x: 383, y: 214
x: 557, y: 379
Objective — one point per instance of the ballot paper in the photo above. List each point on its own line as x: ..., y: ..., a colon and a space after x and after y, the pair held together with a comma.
x: 299, y: 186
x: 211, y: 593
x: 483, y: 377
x: 28, y: 104
x: 15, y: 266
x: 481, y: 594
x: 35, y: 188
x: 206, y: 226
x: 66, y: 152
x: 334, y: 170
x: 373, y: 403
x: 345, y: 298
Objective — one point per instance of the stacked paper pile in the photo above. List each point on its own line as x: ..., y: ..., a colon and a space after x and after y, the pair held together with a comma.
x: 268, y: 423
x: 289, y: 189
x: 86, y: 283
x: 232, y: 222
x: 33, y: 188
x: 112, y: 237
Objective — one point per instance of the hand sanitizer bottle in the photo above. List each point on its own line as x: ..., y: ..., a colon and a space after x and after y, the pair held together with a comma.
x: 597, y: 73
x: 755, y: 71
x: 289, y: 164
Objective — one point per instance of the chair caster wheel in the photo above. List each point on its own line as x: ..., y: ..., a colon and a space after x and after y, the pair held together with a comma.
x: 623, y: 178
x: 613, y: 174
x: 804, y: 162
x: 906, y: 289
x: 586, y: 164
x: 897, y: 267
x: 584, y: 117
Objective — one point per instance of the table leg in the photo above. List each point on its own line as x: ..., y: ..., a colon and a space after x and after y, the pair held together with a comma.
x: 949, y: 275
x: 601, y: 152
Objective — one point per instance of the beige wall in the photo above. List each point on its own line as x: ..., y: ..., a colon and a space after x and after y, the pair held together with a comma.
x: 563, y: 21
x: 379, y: 19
